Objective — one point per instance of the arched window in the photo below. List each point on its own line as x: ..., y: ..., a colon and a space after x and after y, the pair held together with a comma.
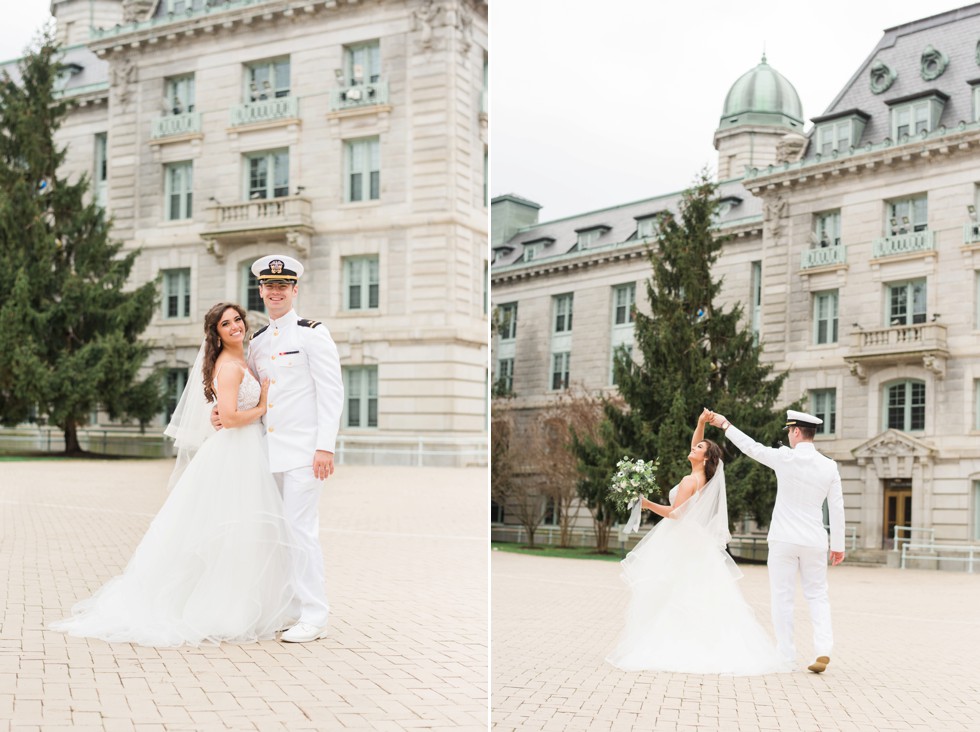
x: 905, y: 405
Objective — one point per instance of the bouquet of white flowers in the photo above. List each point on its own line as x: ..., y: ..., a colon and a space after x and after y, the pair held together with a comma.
x: 633, y: 478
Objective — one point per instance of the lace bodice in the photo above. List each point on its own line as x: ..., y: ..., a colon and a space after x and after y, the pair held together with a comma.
x: 249, y: 391
x: 673, y: 494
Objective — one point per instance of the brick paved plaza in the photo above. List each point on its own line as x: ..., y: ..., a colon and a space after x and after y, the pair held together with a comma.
x: 905, y: 658
x: 406, y: 558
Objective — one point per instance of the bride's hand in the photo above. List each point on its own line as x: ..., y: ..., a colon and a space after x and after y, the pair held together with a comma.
x: 706, y: 416
x: 264, y: 396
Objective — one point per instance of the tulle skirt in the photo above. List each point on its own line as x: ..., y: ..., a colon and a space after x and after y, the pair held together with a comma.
x: 215, y: 563
x: 686, y: 613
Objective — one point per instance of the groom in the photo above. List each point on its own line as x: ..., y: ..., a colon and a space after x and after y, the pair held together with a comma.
x: 306, y: 397
x: 797, y: 539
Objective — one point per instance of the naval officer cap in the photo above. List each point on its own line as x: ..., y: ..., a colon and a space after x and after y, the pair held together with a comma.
x: 277, y: 268
x: 801, y: 419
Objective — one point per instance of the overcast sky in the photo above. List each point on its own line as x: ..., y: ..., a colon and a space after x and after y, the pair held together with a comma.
x: 18, y: 26
x: 602, y: 103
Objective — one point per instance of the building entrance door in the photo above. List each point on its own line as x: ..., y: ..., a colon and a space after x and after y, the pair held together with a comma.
x: 898, y: 510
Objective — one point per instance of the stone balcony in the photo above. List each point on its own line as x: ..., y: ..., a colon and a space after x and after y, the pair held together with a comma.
x: 265, y: 110
x: 971, y: 233
x: 359, y: 95
x: 278, y: 222
x: 923, y: 344
x: 172, y: 125
x: 824, y: 257
x: 909, y: 243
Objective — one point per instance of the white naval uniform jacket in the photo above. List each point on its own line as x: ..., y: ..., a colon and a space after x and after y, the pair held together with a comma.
x: 804, y: 479
x: 306, y: 390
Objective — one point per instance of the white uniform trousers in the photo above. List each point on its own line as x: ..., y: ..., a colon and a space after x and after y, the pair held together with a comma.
x: 785, y: 560
x: 301, y: 499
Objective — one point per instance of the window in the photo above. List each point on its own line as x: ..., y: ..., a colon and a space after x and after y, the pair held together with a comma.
x: 624, y: 300
x: 362, y: 63
x: 834, y: 136
x: 363, y: 170
x: 825, y: 317
x: 552, y: 512
x: 823, y: 405
x: 625, y: 349
x: 826, y: 229
x: 976, y: 102
x: 907, y: 215
x: 756, y: 301
x: 976, y: 404
x: 101, y: 176
x: 505, y: 377
x: 977, y: 301
x: 176, y: 293
x: 179, y: 184
x: 976, y: 510
x: 250, y: 290
x: 268, y: 175
x: 267, y: 80
x: 911, y: 119
x: 585, y: 238
x: 508, y: 321
x: 176, y: 380
x: 531, y: 251
x: 496, y: 512
x: 563, y: 313
x: 559, y: 370
x: 361, y: 283
x: 179, y: 94
x: 907, y: 303
x: 905, y: 406
x: 647, y: 228
x: 361, y: 388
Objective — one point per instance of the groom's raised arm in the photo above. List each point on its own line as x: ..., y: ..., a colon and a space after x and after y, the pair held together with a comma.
x: 768, y: 456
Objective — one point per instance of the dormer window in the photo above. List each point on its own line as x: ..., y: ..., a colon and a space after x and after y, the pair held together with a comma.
x: 648, y: 227
x: 65, y: 73
x: 911, y: 116
x: 840, y: 131
x: 589, y: 236
x: 533, y: 249
x: 726, y: 204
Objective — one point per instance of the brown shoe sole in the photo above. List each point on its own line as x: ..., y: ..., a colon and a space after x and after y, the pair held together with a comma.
x: 820, y: 665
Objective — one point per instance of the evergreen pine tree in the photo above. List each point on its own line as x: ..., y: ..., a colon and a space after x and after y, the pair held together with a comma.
x: 693, y: 354
x: 69, y: 327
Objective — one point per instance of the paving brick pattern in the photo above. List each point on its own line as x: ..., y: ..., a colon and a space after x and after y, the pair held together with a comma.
x: 906, y: 654
x: 406, y: 558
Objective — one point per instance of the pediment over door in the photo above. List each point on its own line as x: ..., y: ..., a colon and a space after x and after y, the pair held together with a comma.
x: 894, y: 453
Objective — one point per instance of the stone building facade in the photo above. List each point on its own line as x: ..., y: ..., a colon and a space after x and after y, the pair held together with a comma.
x: 351, y: 135
x: 855, y: 253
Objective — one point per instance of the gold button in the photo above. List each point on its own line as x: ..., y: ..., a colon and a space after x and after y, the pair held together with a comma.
x: 273, y: 358
x: 276, y: 333
x: 273, y: 381
x: 272, y: 429
x: 270, y: 406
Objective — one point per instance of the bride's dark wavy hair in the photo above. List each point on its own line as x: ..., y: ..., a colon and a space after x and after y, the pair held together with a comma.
x: 212, y: 343
x: 712, y: 456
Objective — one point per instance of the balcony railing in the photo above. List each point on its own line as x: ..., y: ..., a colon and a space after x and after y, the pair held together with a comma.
x: 175, y: 124
x: 287, y: 221
x: 971, y: 233
x: 824, y: 257
x: 265, y: 110
x: 923, y: 343
x: 358, y: 95
x: 918, y: 241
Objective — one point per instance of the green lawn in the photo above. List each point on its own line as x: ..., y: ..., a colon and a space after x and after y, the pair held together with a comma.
x: 541, y: 550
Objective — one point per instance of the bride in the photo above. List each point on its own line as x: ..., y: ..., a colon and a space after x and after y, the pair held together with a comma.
x: 214, y: 564
x: 686, y: 613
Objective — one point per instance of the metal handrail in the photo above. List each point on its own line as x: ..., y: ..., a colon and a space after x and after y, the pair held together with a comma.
x: 934, y: 550
x: 911, y: 530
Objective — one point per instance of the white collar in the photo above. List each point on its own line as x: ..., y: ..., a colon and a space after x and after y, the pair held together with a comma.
x: 288, y: 319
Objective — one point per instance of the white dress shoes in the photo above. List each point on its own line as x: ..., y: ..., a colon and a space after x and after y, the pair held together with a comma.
x: 303, y: 633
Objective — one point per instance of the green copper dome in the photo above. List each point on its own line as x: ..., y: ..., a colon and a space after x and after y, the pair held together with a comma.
x: 762, y: 96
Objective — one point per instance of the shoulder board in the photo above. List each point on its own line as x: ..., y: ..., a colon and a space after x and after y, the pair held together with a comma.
x: 259, y: 332
x: 308, y: 323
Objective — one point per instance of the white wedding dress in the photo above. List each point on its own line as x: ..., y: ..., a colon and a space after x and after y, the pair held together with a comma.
x: 214, y: 565
x: 686, y: 613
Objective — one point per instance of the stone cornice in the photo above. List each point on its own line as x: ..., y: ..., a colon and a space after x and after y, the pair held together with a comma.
x: 600, y: 256
x: 866, y: 160
x: 227, y: 17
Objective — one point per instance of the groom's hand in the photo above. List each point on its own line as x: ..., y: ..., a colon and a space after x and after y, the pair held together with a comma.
x: 215, y: 419
x: 718, y: 419
x: 836, y: 558
x: 322, y: 464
